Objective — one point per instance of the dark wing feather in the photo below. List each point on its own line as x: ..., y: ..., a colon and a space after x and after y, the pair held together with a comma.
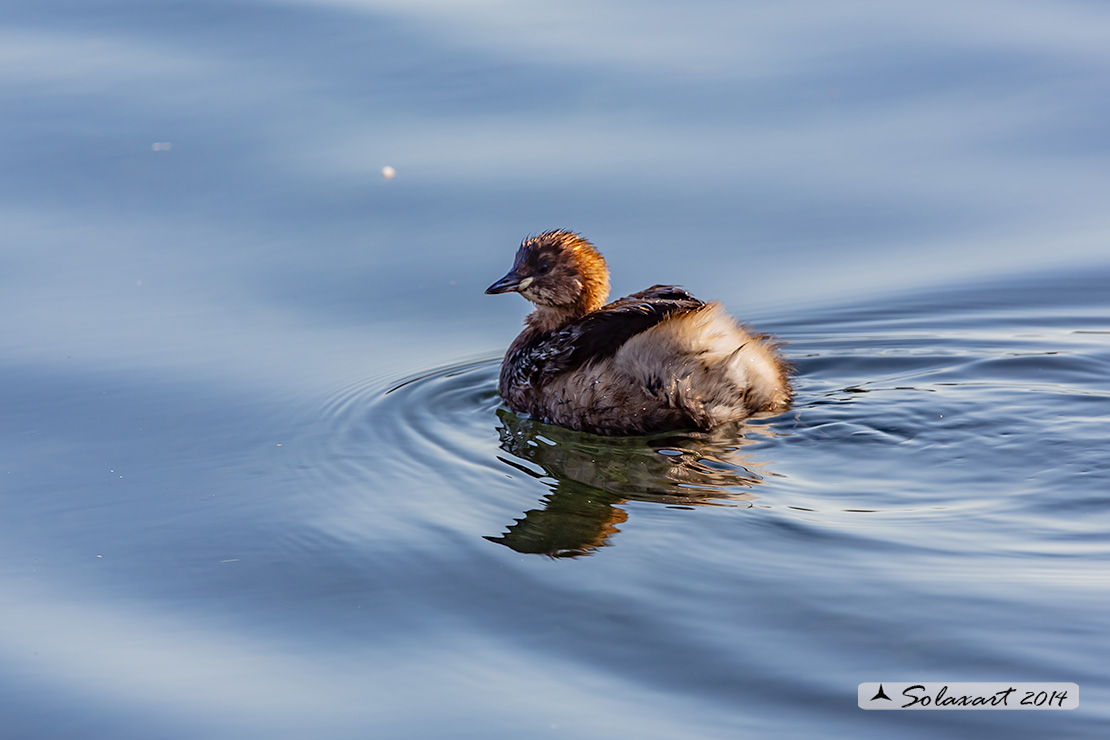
x: 603, y: 332
x: 661, y: 292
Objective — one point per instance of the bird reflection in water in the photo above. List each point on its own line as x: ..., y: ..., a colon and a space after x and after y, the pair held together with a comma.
x: 591, y: 476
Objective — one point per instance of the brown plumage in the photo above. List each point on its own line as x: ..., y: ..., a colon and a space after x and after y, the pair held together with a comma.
x: 657, y: 360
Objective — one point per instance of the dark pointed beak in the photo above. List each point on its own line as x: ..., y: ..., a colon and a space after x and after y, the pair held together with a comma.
x: 506, y: 284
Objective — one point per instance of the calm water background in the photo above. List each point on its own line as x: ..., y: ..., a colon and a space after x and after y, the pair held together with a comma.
x: 255, y: 477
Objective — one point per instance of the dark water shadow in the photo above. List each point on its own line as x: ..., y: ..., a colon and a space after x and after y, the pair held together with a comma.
x: 591, y: 476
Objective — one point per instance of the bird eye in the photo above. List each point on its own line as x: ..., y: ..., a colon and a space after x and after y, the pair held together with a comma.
x: 543, y: 268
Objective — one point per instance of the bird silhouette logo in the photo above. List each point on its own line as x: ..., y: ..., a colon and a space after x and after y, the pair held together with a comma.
x: 881, y: 694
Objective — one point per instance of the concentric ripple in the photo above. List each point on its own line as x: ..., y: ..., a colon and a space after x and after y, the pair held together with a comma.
x: 446, y: 431
x: 943, y: 417
x: 902, y: 419
x: 424, y: 420
x: 438, y: 419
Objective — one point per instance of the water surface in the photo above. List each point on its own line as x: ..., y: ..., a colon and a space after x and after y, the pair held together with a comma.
x: 256, y: 478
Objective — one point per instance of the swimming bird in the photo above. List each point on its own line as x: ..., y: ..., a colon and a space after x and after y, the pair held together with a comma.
x: 657, y: 360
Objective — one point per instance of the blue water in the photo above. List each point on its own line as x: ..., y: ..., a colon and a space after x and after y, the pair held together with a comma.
x: 254, y: 474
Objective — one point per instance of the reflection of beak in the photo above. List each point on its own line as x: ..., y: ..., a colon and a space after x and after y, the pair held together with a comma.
x: 509, y: 283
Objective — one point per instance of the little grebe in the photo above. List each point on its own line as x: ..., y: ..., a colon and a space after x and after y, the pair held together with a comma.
x: 657, y: 360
